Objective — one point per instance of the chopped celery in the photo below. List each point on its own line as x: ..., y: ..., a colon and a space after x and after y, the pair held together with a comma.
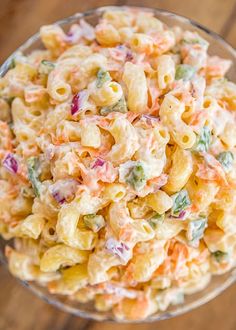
x: 33, y: 174
x: 226, y: 158
x: 203, y: 140
x: 137, y: 177
x: 156, y: 220
x: 94, y: 222
x: 102, y: 77
x: 46, y: 67
x: 181, y: 201
x: 195, y: 230
x: 120, y: 106
x: 220, y: 256
x: 184, y: 71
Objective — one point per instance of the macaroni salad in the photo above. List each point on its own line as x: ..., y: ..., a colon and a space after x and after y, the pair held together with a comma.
x: 118, y: 176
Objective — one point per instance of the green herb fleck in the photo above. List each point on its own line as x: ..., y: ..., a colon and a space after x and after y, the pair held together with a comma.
x: 12, y: 64
x: 156, y: 220
x: 46, y: 67
x: 195, y: 230
x: 120, y: 106
x: 181, y: 201
x: 94, y: 222
x: 185, y: 72
x: 220, y: 256
x: 194, y: 41
x: 226, y: 158
x: 204, y: 140
x: 33, y: 174
x: 102, y: 77
x: 137, y: 177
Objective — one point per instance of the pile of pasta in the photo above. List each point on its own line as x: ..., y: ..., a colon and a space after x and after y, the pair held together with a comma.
x: 118, y: 177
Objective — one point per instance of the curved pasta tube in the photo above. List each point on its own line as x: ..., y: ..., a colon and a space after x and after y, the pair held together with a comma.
x: 145, y: 22
x: 141, y: 43
x: 201, y: 192
x: 138, y: 208
x: 223, y: 90
x: 152, y: 149
x: 107, y: 35
x: 27, y: 137
x: 49, y: 235
x: 143, y: 265
x: 58, y: 87
x: 227, y: 222
x: 93, y: 63
x: 78, y: 52
x: 180, y: 171
x: 168, y: 229
x: 53, y: 38
x: 68, y: 232
x: 119, y: 217
x: 135, y: 80
x: 114, y: 192
x: 196, y: 285
x: 127, y: 229
x: 90, y: 135
x: 135, y: 309
x: 31, y: 226
x: 53, y: 119
x: 122, y: 131
x: 72, y: 279
x: 165, y: 71
x: 21, y: 206
x: 31, y: 115
x: 68, y: 219
x: 228, y: 136
x: 87, y: 69
x: 125, y: 34
x: 22, y: 266
x: 68, y: 131
x: 160, y: 202
x: 140, y: 231
x: 170, y: 112
x: 217, y: 240
x: 61, y: 256
x: 5, y: 111
x: 118, y: 18
x: 110, y: 93
x: 98, y: 265
x: 5, y: 137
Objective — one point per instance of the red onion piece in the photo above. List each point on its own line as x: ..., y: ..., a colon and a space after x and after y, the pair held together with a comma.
x: 118, y: 248
x: 74, y: 34
x: 62, y: 190
x: 87, y: 30
x: 98, y: 163
x: 150, y: 119
x: 10, y: 163
x: 78, y: 101
x: 182, y: 215
x: 57, y: 196
x: 119, y: 291
x: 50, y: 152
x: 129, y: 56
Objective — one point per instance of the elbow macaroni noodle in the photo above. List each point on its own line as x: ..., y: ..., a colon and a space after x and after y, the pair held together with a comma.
x: 117, y: 150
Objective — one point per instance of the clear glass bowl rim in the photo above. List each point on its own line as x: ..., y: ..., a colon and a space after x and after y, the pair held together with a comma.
x: 97, y: 315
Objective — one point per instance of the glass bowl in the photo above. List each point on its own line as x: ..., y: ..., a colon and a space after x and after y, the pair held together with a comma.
x: 218, y: 283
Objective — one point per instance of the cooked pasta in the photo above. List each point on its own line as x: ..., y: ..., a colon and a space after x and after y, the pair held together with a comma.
x: 117, y: 150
